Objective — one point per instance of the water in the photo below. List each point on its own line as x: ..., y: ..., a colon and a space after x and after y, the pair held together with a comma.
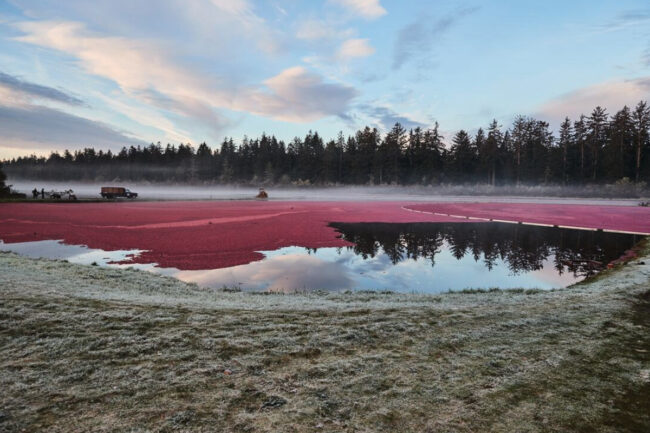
x: 419, y: 257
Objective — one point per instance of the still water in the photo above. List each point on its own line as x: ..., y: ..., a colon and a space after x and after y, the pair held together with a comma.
x: 419, y: 257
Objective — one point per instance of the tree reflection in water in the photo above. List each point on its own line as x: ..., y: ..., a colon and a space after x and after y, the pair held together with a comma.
x: 524, y: 248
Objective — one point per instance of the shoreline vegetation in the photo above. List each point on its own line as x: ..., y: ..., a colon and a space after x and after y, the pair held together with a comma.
x: 99, y: 349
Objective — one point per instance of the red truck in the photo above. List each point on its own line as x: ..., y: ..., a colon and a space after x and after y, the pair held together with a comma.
x: 117, y: 191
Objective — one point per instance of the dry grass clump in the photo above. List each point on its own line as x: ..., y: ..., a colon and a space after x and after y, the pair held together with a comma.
x: 93, y: 349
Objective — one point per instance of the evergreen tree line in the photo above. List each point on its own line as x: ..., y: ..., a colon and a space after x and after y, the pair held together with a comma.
x: 4, y: 189
x: 598, y: 148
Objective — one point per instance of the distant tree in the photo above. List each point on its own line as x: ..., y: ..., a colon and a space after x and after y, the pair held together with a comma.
x: 518, y: 138
x: 306, y: 160
x: 565, y: 142
x: 580, y: 138
x: 641, y: 119
x: 368, y: 162
x: 463, y: 157
x: 351, y: 161
x: 597, y: 136
x: 330, y: 161
x: 414, y: 156
x: 490, y: 151
x: 431, y: 155
x: 204, y: 159
x: 619, y: 150
x: 4, y: 189
x: 228, y: 163
x: 538, y: 152
x: 479, y: 144
x: 390, y: 152
x: 423, y: 159
x: 340, y: 150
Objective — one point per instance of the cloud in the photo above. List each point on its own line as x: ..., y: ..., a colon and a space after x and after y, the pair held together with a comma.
x: 612, y: 95
x: 386, y: 118
x: 147, y: 116
x: 242, y: 11
x: 130, y: 63
x: 313, y: 30
x: 635, y: 16
x: 215, y: 26
x: 353, y: 48
x: 139, y: 68
x: 297, y: 95
x: 31, y: 90
x: 234, y: 7
x: 144, y: 71
x: 26, y: 126
x: 37, y: 127
x: 628, y: 19
x: 418, y: 38
x: 287, y: 272
x: 367, y: 9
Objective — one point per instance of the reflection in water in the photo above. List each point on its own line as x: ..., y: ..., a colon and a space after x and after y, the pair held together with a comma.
x: 57, y: 250
x: 287, y: 269
x: 419, y: 257
x: 523, y: 248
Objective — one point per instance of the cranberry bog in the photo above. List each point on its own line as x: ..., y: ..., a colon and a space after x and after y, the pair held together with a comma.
x: 343, y: 245
x: 217, y: 234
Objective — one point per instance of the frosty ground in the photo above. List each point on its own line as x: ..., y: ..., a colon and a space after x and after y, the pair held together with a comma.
x: 95, y: 349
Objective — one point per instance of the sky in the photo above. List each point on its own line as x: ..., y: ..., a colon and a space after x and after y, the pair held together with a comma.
x: 113, y: 73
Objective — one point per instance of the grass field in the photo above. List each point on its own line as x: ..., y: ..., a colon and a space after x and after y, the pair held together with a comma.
x: 106, y: 350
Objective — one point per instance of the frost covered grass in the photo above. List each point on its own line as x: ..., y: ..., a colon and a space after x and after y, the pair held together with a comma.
x: 95, y: 349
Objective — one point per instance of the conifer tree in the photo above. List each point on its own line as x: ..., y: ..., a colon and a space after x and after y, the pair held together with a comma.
x: 391, y: 150
x: 596, y: 125
x: 491, y: 149
x: 580, y: 138
x: 463, y: 157
x: 518, y: 138
x: 619, y: 149
x: 4, y: 189
x: 565, y: 143
x: 432, y: 154
x: 641, y: 118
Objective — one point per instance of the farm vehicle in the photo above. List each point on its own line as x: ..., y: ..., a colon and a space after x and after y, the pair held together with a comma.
x: 117, y: 191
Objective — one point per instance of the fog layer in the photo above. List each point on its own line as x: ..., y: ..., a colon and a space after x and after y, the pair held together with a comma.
x: 480, y: 193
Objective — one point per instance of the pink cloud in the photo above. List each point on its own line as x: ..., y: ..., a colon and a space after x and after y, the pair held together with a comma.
x: 368, y: 9
x: 612, y: 95
x: 353, y: 48
x: 145, y: 71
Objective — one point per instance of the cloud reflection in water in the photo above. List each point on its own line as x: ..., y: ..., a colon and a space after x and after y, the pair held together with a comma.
x: 281, y: 271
